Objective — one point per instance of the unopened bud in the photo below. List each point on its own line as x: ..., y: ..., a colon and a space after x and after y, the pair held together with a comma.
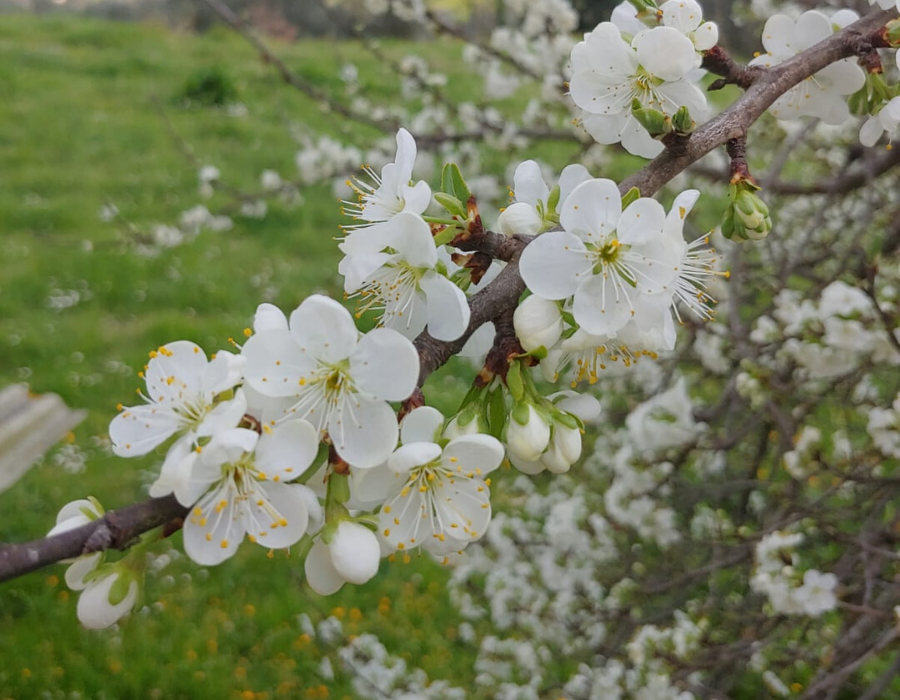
x: 747, y: 217
x: 538, y: 322
x: 520, y: 217
x: 655, y: 122
x: 892, y: 33
x: 682, y: 122
x: 528, y: 433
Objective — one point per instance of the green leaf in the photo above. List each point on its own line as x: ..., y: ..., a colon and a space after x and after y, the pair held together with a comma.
x: 514, y: 381
x: 452, y: 183
x: 496, y: 413
x: 445, y: 236
x: 451, y: 204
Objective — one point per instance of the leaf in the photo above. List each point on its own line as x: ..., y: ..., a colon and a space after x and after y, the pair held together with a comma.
x: 452, y: 183
x: 451, y: 204
x: 630, y: 197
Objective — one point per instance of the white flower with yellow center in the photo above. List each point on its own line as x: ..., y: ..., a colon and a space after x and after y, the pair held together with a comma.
x: 612, y: 262
x: 608, y: 73
x: 391, y: 192
x: 237, y: 486
x: 392, y: 269
x: 339, y: 380
x: 182, y: 386
x: 440, y: 498
x: 821, y: 95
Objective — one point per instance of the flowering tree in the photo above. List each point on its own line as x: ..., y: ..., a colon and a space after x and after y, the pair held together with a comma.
x: 742, y: 473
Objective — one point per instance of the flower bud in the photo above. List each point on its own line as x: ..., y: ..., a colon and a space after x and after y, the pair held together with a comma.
x: 892, y: 33
x: 655, y: 122
x: 106, y: 600
x: 520, y: 217
x: 355, y: 552
x: 747, y: 217
x: 528, y: 434
x: 682, y: 122
x: 538, y: 322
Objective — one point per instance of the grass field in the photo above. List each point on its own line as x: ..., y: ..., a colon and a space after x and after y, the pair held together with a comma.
x: 79, y: 127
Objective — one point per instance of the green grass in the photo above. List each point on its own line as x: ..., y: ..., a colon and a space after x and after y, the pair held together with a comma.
x: 80, y: 126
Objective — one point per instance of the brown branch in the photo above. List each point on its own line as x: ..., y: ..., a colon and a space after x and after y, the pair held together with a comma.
x: 118, y: 529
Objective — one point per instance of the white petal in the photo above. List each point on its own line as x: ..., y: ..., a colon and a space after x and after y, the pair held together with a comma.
x: 175, y: 372
x: 421, y: 425
x: 226, y: 414
x: 448, y: 308
x: 811, y: 28
x: 525, y: 466
x: 402, y: 523
x: 520, y: 218
x: 779, y: 37
x: 870, y: 132
x: 554, y: 265
x: 355, y: 552
x: 706, y: 36
x: 642, y: 222
x: 406, y: 155
x: 529, y: 185
x: 288, y: 450
x: 365, y: 431
x: 601, y: 307
x: 213, y: 530
x: 417, y: 197
x: 275, y: 363
x: 269, y: 318
x: 324, y: 328
x: 665, y: 52
x: 412, y: 455
x: 683, y: 15
x: 137, y: 430
x: 477, y: 453
x: 80, y: 568
x: 283, y: 517
x: 570, y: 177
x: 321, y: 575
x: 581, y: 405
x: 94, y: 609
x: 592, y: 209
x: 637, y: 141
x: 74, y: 514
x: 385, y: 364
x: 463, y: 508
x: 413, y: 240
x: 357, y: 269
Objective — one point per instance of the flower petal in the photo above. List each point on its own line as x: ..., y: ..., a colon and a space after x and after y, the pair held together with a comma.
x: 529, y: 185
x: 275, y: 515
x: 139, y: 429
x: 287, y: 451
x: 324, y: 329
x: 365, y: 431
x: 478, y: 454
x: 269, y: 318
x: 276, y: 363
x: 554, y: 264
x: 321, y: 575
x: 385, y: 364
x: 448, y: 308
x: 642, y: 222
x: 592, y: 209
x: 421, y: 425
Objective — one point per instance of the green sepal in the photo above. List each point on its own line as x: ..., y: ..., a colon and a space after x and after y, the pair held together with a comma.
x: 496, y: 413
x: 630, y: 197
x: 452, y: 183
x: 520, y: 412
x: 514, y: 381
x: 566, y: 419
x: 119, y: 590
x: 339, y: 488
x: 451, y: 204
x: 553, y: 199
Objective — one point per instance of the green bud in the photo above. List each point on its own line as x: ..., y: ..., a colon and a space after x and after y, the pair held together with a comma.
x: 520, y: 413
x: 682, y: 122
x: 747, y: 217
x: 655, y: 122
x: 892, y: 32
